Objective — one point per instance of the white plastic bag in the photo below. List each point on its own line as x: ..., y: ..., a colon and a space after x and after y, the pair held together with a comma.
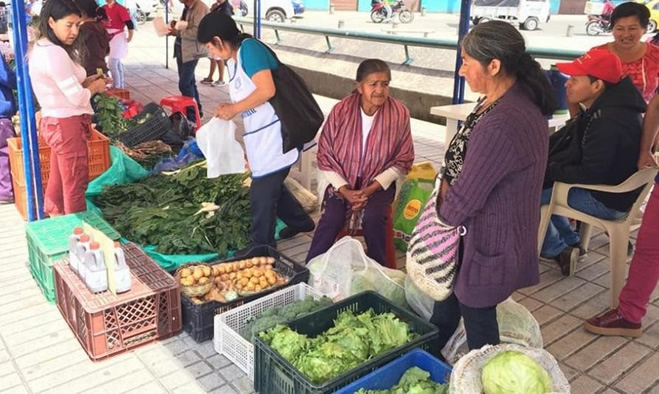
x: 223, y: 153
x: 516, y: 326
x: 345, y: 270
x: 418, y: 300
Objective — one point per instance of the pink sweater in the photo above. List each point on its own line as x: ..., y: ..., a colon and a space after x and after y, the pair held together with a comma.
x: 57, y: 82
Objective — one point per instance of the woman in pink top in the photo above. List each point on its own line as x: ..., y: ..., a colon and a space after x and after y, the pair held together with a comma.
x: 640, y: 60
x: 63, y: 91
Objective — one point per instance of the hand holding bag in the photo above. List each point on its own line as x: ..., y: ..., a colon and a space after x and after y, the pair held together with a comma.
x: 432, y: 254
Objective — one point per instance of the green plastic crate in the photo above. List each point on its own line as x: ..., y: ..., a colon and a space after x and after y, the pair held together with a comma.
x: 48, y: 241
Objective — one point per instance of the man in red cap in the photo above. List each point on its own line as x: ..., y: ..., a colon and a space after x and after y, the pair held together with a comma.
x: 599, y: 146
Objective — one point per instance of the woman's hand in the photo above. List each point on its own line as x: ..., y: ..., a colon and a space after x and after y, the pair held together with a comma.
x: 88, y: 81
x: 97, y: 86
x: 355, y: 198
x: 226, y: 111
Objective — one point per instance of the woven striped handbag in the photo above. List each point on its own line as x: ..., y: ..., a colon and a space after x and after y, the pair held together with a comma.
x: 432, y: 254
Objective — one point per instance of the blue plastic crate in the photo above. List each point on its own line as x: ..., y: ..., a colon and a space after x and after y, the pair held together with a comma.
x: 388, y: 376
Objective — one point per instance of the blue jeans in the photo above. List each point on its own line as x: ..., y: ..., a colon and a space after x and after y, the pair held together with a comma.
x: 559, y: 233
x: 187, y: 84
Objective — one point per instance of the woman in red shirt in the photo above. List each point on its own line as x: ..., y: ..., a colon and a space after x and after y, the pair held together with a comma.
x: 640, y: 60
x: 118, y: 19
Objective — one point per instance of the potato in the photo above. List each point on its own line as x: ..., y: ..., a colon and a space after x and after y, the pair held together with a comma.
x: 254, y: 280
x: 222, y: 269
x: 244, y: 281
x: 225, y: 277
x: 207, y: 271
x: 255, y: 261
x: 257, y: 273
x: 239, y: 286
x: 239, y: 275
x: 248, y: 273
x: 183, y: 281
x: 258, y: 288
x: 269, y: 273
x: 241, y: 265
x: 250, y: 287
x: 248, y: 264
x: 232, y: 276
x: 198, y: 272
x: 185, y: 272
x: 204, y: 281
x: 272, y: 280
x: 270, y: 260
x: 189, y: 281
x: 269, y: 267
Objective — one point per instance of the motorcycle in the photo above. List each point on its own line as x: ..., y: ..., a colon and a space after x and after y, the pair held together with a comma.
x: 379, y: 12
x: 597, y: 24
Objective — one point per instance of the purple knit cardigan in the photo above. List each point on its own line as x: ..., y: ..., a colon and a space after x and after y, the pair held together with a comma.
x: 497, y: 198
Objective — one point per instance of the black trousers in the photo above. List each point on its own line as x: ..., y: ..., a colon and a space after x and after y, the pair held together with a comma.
x: 480, y: 323
x: 271, y: 199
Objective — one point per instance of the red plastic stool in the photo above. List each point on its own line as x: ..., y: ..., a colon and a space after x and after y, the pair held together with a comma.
x: 390, y: 251
x: 181, y: 104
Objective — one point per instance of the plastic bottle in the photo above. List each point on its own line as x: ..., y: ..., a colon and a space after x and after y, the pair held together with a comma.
x: 121, y: 270
x: 82, y: 248
x: 74, y: 238
x: 96, y: 277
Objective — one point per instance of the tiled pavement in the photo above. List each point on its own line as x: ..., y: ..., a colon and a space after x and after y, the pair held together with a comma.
x: 38, y: 352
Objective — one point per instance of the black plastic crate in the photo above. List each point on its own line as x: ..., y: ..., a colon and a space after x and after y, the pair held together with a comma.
x: 153, y: 128
x: 198, y: 319
x: 274, y: 375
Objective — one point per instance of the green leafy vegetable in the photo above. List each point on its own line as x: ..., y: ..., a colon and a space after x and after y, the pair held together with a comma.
x: 353, y: 340
x: 169, y: 211
x: 414, y: 381
x: 512, y: 372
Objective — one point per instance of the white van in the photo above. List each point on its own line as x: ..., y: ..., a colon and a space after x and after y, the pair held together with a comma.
x: 527, y: 13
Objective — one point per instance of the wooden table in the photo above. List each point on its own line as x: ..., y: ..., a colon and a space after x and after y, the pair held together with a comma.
x: 459, y: 112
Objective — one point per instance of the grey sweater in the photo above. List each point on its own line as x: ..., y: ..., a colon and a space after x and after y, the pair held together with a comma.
x: 497, y: 198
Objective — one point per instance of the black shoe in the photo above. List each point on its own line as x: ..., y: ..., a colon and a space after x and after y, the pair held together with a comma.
x: 582, y: 251
x: 567, y: 260
x: 290, y: 232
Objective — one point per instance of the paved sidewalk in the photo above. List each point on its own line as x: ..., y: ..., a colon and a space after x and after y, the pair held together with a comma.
x: 38, y: 352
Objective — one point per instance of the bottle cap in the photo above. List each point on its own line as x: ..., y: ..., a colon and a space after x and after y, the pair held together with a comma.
x: 85, y: 238
x: 94, y: 245
x: 78, y: 231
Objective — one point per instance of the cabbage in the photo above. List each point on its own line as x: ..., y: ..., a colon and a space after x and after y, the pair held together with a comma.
x: 512, y: 372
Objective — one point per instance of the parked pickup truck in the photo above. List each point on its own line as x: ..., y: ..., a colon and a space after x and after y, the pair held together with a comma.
x: 527, y: 13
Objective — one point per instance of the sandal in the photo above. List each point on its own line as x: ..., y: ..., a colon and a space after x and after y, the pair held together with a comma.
x: 206, y: 81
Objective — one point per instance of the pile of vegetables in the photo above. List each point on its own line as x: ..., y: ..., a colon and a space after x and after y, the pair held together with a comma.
x: 352, y: 341
x: 513, y: 372
x: 148, y: 154
x: 280, y: 315
x: 414, y: 381
x: 183, y: 213
x: 109, y: 116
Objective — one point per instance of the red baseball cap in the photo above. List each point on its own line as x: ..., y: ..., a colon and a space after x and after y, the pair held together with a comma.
x: 599, y: 63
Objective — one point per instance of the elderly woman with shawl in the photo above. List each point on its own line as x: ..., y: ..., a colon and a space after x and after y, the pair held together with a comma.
x: 365, y: 146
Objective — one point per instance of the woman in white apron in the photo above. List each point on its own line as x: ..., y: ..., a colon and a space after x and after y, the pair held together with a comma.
x: 116, y: 23
x: 251, y: 85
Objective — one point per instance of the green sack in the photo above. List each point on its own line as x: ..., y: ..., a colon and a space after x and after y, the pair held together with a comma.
x: 412, y: 199
x: 123, y: 170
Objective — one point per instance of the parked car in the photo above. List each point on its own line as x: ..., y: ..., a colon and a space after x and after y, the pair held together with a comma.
x: 275, y: 10
x: 527, y: 13
x: 146, y: 8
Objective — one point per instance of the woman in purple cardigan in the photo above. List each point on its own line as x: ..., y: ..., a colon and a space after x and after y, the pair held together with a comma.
x: 492, y: 180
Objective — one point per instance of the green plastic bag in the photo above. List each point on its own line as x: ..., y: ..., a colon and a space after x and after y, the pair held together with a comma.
x: 123, y: 170
x: 412, y: 199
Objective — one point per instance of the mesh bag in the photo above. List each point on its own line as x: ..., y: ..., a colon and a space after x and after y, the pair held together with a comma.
x: 466, y: 374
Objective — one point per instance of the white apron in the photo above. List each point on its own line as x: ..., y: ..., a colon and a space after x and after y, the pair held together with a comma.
x: 118, y: 44
x: 263, y: 142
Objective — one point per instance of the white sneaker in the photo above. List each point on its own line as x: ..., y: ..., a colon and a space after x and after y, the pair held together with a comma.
x: 218, y: 83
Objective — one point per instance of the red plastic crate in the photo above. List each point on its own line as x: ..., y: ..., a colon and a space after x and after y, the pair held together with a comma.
x: 99, y: 161
x: 107, y: 324
x: 119, y: 93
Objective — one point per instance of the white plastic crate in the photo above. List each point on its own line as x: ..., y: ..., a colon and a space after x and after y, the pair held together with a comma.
x: 227, y: 340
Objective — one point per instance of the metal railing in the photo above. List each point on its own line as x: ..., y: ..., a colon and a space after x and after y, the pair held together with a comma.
x: 406, y: 42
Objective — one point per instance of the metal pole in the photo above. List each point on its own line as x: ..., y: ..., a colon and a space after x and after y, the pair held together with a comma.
x: 31, y: 165
x: 463, y: 29
x: 167, y: 37
x: 257, y: 19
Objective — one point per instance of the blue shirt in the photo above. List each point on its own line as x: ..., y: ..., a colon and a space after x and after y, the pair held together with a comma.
x: 7, y: 85
x: 255, y: 57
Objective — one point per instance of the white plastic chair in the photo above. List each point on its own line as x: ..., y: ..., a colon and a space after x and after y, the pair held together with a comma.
x: 618, y: 230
